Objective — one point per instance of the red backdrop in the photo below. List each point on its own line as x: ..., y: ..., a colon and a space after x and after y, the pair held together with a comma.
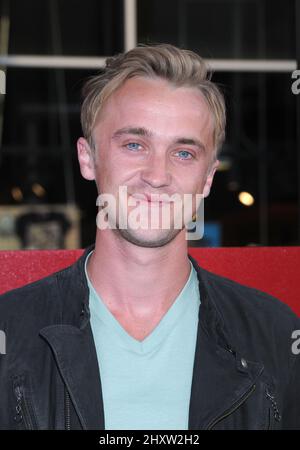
x: 275, y: 270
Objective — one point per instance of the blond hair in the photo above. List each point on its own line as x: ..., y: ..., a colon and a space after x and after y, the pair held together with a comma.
x: 179, y: 67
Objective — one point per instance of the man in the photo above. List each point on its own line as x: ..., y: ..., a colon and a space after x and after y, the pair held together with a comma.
x: 135, y: 335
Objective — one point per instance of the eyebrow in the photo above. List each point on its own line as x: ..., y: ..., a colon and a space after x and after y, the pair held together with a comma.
x: 190, y: 141
x: 141, y: 131
x: 138, y: 131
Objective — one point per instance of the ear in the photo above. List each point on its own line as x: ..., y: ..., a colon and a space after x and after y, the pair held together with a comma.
x: 210, y: 177
x: 86, y: 159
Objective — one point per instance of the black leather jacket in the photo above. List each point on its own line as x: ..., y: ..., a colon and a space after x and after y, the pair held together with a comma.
x: 245, y: 373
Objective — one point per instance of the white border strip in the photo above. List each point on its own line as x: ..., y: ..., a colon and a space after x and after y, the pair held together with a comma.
x: 130, y: 24
x: 252, y: 65
x: 52, y: 62
x: 84, y: 62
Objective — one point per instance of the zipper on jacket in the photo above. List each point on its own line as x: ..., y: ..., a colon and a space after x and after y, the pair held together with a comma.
x: 273, y: 407
x: 67, y: 410
x: 22, y: 409
x: 232, y: 409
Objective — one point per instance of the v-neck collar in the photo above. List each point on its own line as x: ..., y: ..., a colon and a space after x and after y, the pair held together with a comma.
x: 186, y: 299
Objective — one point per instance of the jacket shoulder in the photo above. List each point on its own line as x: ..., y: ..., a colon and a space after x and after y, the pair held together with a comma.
x: 30, y: 297
x: 47, y: 300
x: 234, y: 295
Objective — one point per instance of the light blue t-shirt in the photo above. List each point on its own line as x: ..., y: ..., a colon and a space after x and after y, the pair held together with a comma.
x: 147, y: 384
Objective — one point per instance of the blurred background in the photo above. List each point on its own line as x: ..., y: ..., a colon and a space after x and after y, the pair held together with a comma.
x: 49, y: 47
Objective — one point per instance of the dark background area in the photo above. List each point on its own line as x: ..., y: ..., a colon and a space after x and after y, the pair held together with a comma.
x: 261, y: 152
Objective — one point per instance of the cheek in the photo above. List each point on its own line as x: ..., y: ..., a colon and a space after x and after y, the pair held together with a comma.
x: 193, y: 181
x: 109, y: 176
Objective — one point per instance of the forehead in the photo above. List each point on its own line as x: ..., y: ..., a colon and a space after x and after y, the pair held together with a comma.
x: 157, y: 105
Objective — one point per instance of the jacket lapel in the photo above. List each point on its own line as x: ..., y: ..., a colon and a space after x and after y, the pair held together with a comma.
x: 76, y: 357
x: 219, y: 381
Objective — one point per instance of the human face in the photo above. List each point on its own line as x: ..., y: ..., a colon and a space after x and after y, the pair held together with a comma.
x: 153, y: 138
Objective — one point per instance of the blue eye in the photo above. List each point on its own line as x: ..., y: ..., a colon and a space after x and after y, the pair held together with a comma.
x: 185, y: 154
x: 133, y: 146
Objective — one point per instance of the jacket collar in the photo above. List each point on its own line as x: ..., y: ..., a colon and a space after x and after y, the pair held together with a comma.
x: 218, y: 364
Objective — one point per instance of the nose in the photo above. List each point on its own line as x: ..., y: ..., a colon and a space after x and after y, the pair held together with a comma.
x: 156, y: 172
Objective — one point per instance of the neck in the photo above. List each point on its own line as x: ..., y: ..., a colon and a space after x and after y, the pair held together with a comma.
x: 139, y: 282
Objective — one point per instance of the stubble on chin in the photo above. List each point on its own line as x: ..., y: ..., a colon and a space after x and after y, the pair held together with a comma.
x: 161, y: 240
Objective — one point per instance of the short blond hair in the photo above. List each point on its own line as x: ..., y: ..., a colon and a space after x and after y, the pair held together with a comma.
x: 178, y: 66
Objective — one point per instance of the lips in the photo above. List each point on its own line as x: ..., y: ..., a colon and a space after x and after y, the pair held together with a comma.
x: 150, y: 198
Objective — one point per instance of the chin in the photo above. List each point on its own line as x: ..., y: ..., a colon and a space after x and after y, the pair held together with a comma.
x: 144, y: 238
